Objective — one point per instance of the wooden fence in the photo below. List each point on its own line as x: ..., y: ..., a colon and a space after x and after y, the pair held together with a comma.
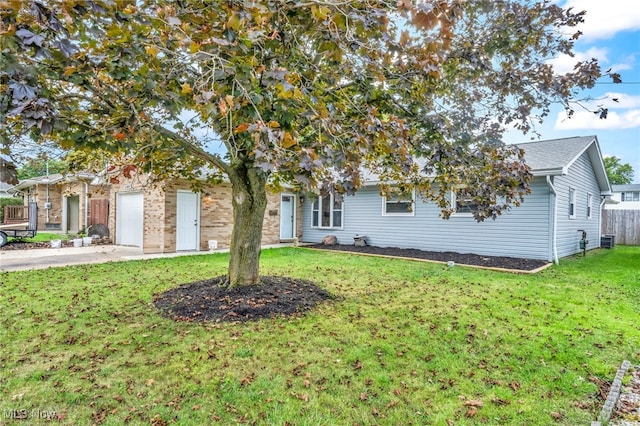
x: 16, y: 214
x: 624, y: 224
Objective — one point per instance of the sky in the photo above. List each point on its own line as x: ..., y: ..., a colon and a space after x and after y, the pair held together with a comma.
x: 611, y: 34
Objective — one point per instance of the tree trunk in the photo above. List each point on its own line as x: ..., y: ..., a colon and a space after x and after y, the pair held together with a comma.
x: 249, y: 204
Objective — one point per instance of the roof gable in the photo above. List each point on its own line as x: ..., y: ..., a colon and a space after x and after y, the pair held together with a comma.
x: 554, y: 157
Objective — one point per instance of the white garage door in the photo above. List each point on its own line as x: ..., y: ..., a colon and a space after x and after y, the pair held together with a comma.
x: 130, y: 219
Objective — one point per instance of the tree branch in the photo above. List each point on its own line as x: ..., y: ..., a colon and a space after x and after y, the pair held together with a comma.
x: 213, y: 159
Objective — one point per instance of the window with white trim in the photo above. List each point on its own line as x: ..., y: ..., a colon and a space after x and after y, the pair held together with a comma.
x: 398, y: 203
x: 589, y: 204
x: 630, y: 196
x: 326, y: 212
x: 572, y: 203
x: 463, y: 205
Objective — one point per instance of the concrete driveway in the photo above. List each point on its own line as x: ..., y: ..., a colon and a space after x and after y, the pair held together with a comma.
x: 17, y: 260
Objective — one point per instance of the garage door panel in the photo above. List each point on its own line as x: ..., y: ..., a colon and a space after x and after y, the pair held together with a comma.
x: 130, y: 219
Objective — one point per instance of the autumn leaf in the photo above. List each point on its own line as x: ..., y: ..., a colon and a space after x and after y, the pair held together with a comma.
x: 241, y: 128
x: 69, y: 71
x: 185, y: 89
x: 288, y: 141
x: 222, y: 105
x: 120, y: 136
x: 151, y: 51
x: 473, y: 403
x: 229, y: 100
x: 128, y: 170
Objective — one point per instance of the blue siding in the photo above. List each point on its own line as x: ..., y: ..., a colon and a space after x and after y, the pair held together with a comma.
x: 582, y: 178
x: 521, y: 232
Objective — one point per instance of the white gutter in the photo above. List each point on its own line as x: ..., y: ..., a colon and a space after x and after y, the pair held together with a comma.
x: 554, y: 239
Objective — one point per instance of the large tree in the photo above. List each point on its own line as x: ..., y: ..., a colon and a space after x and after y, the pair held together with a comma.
x: 301, y: 92
x: 619, y: 173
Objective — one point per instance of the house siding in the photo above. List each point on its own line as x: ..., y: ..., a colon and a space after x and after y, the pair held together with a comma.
x: 581, y: 177
x: 521, y: 232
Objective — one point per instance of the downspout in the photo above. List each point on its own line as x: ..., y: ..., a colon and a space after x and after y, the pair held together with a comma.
x: 554, y: 237
x: 604, y: 199
x: 86, y: 208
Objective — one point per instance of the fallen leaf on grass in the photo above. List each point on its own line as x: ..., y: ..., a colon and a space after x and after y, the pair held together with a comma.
x: 499, y: 401
x: 303, y: 397
x: 474, y: 403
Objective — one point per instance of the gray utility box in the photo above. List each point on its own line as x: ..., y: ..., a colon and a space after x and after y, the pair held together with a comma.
x: 607, y: 241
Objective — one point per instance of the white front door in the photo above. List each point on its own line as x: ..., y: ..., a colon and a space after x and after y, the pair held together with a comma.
x: 187, y: 220
x: 130, y: 219
x: 287, y: 216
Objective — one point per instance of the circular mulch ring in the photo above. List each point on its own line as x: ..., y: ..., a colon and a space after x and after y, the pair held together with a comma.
x: 212, y: 301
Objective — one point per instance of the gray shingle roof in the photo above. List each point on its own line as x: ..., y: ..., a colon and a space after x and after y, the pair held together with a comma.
x: 622, y: 188
x: 554, y: 154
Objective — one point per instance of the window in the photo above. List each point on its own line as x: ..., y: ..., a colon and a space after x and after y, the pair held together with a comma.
x: 463, y: 204
x: 630, y: 196
x: 572, y: 203
x: 398, y: 203
x: 589, y: 202
x: 326, y: 212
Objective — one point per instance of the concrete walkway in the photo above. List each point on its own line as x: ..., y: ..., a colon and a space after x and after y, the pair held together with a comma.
x: 17, y: 260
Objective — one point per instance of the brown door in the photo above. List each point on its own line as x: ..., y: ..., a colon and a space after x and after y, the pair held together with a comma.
x: 99, y: 212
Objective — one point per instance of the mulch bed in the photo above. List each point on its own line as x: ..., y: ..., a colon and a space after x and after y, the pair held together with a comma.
x: 511, y: 263
x: 212, y: 301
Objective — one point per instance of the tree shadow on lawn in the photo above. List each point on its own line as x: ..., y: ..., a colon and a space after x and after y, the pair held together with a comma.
x: 212, y: 301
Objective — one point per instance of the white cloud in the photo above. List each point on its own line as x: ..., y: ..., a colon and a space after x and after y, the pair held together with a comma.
x: 605, y: 18
x: 564, y: 64
x: 623, y: 101
x: 585, y: 120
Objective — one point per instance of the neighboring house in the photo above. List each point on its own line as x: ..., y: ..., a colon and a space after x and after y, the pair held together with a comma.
x: 8, y: 177
x: 4, y: 190
x: 627, y: 197
x: 169, y: 216
x: 567, y: 192
x: 67, y: 203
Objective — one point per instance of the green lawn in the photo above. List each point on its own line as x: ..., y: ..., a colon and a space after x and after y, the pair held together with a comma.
x: 41, y: 237
x: 405, y: 343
